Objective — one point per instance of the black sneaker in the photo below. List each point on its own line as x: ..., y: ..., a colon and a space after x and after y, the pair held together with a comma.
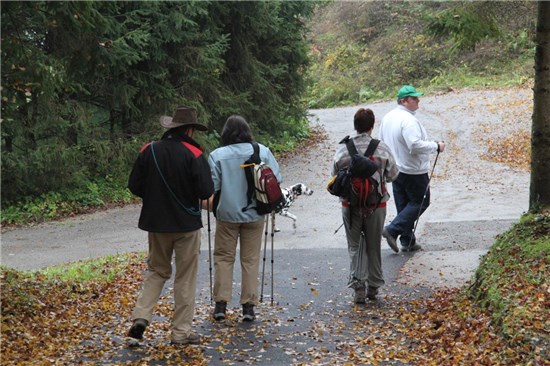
x: 137, y: 329
x: 372, y: 292
x: 392, y: 241
x: 248, y: 312
x: 412, y: 248
x: 219, y: 310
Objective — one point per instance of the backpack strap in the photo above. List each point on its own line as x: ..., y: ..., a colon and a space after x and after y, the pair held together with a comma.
x: 373, y: 144
x: 352, y: 150
x: 248, y: 172
x: 344, y: 140
x: 256, y: 154
x: 191, y: 211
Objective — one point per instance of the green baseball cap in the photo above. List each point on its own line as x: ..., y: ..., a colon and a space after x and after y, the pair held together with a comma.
x: 408, y: 91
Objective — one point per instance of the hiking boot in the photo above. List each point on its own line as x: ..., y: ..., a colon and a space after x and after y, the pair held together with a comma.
x: 192, y: 338
x: 248, y: 312
x: 372, y: 292
x: 412, y: 248
x: 355, y: 283
x: 392, y: 240
x: 360, y: 296
x: 219, y: 310
x: 137, y: 329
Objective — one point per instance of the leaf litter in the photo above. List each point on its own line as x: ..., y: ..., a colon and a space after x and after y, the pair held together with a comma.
x: 49, y: 323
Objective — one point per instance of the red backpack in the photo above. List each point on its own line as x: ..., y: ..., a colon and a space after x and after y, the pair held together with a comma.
x: 365, y: 178
x: 262, y: 184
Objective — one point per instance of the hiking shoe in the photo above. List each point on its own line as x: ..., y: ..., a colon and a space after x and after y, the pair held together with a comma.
x: 412, y: 248
x: 248, y: 312
x: 355, y: 283
x: 219, y: 310
x: 372, y: 292
x: 192, y: 338
x: 392, y: 241
x: 360, y: 296
x: 137, y: 329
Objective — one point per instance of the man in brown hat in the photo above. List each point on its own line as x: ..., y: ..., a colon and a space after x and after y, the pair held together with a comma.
x: 171, y: 176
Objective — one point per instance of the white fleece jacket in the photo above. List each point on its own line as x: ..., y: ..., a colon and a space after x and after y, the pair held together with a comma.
x: 408, y: 141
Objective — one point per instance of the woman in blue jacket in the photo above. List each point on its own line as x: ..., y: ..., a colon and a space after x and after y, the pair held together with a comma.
x: 236, y: 219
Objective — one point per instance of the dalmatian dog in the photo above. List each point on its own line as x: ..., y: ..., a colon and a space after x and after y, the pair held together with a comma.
x: 290, y: 194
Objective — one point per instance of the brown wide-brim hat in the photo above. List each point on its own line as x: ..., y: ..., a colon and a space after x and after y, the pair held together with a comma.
x: 184, y: 116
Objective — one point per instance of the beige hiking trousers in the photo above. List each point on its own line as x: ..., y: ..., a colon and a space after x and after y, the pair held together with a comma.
x: 365, y: 266
x: 162, y: 246
x: 225, y: 251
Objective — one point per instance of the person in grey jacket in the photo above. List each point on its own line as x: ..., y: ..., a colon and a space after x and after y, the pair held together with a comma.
x: 171, y: 176
x: 408, y: 140
x: 236, y: 219
x: 366, y: 275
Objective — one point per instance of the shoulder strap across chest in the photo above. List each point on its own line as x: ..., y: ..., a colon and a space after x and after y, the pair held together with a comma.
x: 373, y: 144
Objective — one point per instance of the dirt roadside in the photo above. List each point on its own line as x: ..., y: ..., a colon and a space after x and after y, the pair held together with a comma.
x: 473, y: 199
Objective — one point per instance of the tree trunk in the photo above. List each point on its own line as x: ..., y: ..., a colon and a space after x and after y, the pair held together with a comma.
x: 539, y: 193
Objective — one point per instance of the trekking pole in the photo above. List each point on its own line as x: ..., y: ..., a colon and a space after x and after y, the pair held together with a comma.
x: 209, y: 248
x: 263, y: 265
x: 423, y: 198
x: 339, y: 227
x: 272, y: 254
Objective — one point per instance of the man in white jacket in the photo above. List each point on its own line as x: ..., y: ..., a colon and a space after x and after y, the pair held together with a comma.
x: 409, y: 143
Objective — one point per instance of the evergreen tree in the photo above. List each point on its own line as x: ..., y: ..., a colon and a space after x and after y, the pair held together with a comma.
x: 84, y: 82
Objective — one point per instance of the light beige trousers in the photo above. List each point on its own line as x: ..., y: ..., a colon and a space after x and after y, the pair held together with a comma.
x: 225, y: 251
x: 162, y: 246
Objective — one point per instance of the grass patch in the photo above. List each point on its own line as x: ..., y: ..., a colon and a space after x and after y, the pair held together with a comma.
x: 494, y: 74
x: 101, y: 269
x: 25, y: 291
x: 46, y: 313
x: 503, y: 317
x: 511, y: 282
x: 66, y: 203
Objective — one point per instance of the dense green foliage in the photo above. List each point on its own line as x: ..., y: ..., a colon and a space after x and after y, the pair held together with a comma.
x: 83, y: 84
x: 364, y: 51
x: 466, y: 23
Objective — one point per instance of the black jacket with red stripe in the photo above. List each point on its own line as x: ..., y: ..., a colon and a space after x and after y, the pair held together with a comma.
x: 171, y: 205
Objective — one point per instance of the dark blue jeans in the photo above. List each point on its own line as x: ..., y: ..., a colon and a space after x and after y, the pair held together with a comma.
x: 408, y: 193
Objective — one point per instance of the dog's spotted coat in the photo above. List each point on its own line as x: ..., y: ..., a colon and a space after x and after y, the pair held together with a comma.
x: 290, y: 194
